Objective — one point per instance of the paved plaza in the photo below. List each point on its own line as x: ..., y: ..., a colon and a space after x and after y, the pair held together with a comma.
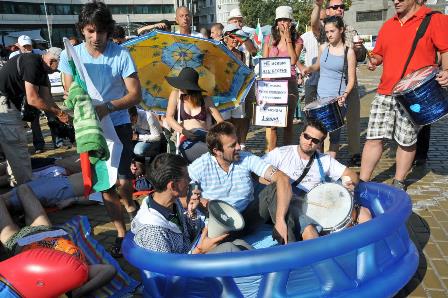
x: 428, y: 224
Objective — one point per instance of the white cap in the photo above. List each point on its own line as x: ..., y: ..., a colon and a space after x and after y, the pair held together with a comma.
x: 24, y: 40
x: 54, y: 52
x: 234, y: 13
x: 284, y: 12
x: 230, y: 28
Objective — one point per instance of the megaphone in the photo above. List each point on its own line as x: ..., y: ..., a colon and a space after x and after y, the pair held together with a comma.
x: 223, y: 218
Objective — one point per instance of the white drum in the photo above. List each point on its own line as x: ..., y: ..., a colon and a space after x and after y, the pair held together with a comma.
x: 329, y: 205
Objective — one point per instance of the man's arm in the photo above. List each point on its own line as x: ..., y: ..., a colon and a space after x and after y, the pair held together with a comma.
x: 40, y: 98
x: 442, y: 77
x: 130, y: 99
x: 284, y: 194
x: 315, y: 18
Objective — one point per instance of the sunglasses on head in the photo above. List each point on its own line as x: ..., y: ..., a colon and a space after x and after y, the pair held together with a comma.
x: 337, y: 6
x: 313, y: 140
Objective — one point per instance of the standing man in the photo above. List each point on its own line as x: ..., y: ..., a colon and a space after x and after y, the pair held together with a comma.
x: 24, y: 77
x: 337, y: 8
x: 387, y: 119
x: 183, y: 20
x: 113, y: 72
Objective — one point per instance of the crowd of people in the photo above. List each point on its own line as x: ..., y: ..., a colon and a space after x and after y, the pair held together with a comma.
x: 214, y: 162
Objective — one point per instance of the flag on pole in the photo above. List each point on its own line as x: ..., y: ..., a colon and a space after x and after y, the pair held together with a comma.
x: 98, y: 174
x: 258, y: 37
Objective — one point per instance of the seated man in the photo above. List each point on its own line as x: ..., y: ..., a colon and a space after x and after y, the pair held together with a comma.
x: 161, y: 225
x: 293, y: 161
x: 225, y: 173
x: 38, y: 223
x: 147, y: 134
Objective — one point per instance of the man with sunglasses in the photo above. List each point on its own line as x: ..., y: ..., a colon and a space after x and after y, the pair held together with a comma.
x: 337, y: 8
x: 387, y: 119
x: 292, y: 160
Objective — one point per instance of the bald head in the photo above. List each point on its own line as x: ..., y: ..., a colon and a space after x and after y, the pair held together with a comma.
x: 183, y: 18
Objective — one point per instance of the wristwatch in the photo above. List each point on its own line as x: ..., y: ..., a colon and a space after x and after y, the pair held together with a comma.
x: 110, y: 107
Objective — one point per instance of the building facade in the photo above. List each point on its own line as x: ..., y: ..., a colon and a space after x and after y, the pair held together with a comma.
x: 60, y: 16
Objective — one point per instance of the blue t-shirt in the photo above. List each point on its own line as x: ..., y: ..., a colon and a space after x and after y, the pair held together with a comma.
x: 107, y: 73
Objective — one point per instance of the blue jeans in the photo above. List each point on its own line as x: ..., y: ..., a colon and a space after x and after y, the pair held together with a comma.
x: 147, y: 149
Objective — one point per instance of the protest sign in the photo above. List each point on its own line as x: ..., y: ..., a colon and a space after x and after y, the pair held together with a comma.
x: 271, y: 116
x: 274, y: 68
x: 272, y: 92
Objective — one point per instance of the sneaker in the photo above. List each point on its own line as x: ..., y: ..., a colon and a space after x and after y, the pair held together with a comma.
x: 59, y: 143
x: 355, y: 160
x: 399, y: 184
x: 115, y: 249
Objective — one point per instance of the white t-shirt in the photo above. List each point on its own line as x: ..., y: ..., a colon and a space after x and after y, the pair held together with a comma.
x: 311, y: 48
x: 287, y: 160
x: 147, y: 126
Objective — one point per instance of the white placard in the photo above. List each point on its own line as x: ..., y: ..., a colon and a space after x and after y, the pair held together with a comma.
x: 274, y: 68
x: 272, y: 92
x: 271, y: 115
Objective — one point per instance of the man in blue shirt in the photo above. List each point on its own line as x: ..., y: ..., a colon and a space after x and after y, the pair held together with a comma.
x: 225, y: 173
x: 114, y: 74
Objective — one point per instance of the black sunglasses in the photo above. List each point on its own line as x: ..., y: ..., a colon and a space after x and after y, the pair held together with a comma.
x: 337, y: 6
x: 313, y: 140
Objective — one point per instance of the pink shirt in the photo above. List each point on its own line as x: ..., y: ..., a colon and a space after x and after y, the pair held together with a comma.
x: 274, y: 51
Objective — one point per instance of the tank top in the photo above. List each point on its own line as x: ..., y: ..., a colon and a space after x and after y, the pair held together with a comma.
x: 331, y: 75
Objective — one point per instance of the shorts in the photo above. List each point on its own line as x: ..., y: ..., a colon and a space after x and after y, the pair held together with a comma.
x: 49, y: 191
x: 124, y: 132
x: 237, y: 113
x: 388, y: 120
x: 11, y: 244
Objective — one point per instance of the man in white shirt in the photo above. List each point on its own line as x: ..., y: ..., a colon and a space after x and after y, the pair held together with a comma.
x: 292, y: 160
x: 183, y: 19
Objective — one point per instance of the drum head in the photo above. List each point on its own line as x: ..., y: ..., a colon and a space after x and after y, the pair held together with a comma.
x: 328, y: 205
x: 415, y: 79
x: 320, y: 102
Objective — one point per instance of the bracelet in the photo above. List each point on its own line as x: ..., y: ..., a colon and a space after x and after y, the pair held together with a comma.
x: 110, y: 107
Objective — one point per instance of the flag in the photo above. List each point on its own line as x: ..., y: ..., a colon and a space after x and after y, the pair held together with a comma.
x: 258, y: 38
x: 101, y: 175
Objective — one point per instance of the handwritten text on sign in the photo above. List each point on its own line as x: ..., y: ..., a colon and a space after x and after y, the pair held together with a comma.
x: 271, y: 115
x: 272, y: 68
x: 272, y: 92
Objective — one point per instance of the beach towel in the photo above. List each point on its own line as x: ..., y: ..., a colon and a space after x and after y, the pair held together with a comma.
x: 88, y: 132
x: 80, y: 233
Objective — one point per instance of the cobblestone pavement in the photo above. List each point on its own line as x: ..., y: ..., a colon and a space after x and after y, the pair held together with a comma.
x: 428, y: 224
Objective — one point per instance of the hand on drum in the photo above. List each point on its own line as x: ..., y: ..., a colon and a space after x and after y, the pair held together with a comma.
x: 442, y: 78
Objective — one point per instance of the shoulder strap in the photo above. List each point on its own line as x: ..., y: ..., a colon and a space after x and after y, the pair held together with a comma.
x: 18, y: 65
x: 305, y: 171
x: 344, y: 70
x: 420, y: 33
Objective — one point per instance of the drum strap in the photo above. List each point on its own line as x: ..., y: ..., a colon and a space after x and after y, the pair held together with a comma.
x: 344, y: 70
x: 420, y: 33
x: 305, y: 171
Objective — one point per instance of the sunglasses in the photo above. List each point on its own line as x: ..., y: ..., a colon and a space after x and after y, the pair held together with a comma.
x: 313, y: 140
x: 336, y: 7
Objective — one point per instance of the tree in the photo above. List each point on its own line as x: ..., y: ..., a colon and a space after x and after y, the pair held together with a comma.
x: 254, y: 10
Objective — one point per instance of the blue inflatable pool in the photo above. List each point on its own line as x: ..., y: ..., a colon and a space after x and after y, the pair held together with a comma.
x: 375, y: 259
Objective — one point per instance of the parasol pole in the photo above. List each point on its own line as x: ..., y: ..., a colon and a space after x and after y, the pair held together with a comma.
x: 178, y: 121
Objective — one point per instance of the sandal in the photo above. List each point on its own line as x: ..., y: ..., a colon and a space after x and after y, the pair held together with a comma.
x: 115, y: 250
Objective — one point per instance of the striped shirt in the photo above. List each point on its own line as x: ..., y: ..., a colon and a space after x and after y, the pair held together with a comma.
x: 234, y: 187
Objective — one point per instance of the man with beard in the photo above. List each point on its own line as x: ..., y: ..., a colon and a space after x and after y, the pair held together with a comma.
x: 25, y: 77
x: 293, y: 160
x: 113, y: 72
x: 225, y: 173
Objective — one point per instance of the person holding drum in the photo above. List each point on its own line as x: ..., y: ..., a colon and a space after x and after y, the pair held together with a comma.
x: 284, y: 42
x: 393, y: 50
x: 337, y: 66
x: 309, y: 171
